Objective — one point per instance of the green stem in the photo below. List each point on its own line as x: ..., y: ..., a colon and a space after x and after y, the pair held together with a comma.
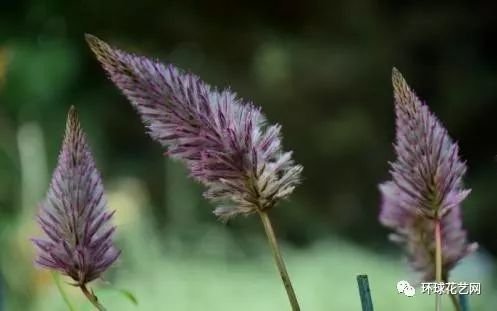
x: 92, y: 298
x: 463, y: 302
x: 455, y: 302
x: 62, y: 292
x: 365, y: 293
x: 279, y: 260
x: 438, y: 261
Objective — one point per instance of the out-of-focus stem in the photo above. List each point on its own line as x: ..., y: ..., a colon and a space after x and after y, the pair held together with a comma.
x: 438, y: 261
x: 92, y: 298
x: 279, y: 260
x: 455, y: 302
x: 463, y: 302
x: 62, y: 292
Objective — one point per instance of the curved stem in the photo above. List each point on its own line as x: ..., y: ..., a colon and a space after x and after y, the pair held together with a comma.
x: 438, y: 261
x: 62, y: 292
x: 92, y: 298
x: 279, y: 260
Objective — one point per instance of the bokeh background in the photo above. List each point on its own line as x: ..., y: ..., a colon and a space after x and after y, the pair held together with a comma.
x: 319, y: 68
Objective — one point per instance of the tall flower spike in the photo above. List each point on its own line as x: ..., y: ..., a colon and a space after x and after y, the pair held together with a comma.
x: 78, y: 234
x: 426, y: 188
x: 224, y: 142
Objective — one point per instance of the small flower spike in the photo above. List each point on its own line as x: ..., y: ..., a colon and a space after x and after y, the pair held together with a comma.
x: 426, y: 187
x: 78, y: 234
x: 225, y: 143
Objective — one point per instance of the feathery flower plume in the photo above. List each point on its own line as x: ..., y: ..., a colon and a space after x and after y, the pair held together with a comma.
x: 225, y: 142
x: 78, y: 234
x: 422, y: 202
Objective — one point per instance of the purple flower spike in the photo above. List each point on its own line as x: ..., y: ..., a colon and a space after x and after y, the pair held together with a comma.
x: 224, y: 142
x: 74, y: 217
x: 426, y: 187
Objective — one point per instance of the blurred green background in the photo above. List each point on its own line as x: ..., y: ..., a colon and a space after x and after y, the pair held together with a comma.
x: 319, y: 68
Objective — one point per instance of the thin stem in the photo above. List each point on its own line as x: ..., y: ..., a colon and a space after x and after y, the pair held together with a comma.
x: 455, y: 302
x: 279, y: 260
x: 463, y: 302
x: 438, y: 261
x: 92, y: 298
x: 365, y: 293
x: 56, y: 279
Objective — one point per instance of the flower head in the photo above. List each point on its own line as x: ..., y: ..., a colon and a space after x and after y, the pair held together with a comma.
x: 426, y: 186
x: 74, y: 217
x: 224, y: 142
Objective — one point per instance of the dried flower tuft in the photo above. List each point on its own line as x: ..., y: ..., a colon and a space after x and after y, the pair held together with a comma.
x: 74, y: 217
x: 224, y: 142
x: 426, y: 186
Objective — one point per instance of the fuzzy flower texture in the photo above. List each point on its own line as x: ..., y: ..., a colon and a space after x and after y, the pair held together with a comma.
x: 426, y: 187
x: 224, y: 142
x: 74, y: 218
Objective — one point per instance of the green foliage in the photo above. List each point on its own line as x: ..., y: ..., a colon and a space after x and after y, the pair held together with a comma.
x: 123, y: 293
